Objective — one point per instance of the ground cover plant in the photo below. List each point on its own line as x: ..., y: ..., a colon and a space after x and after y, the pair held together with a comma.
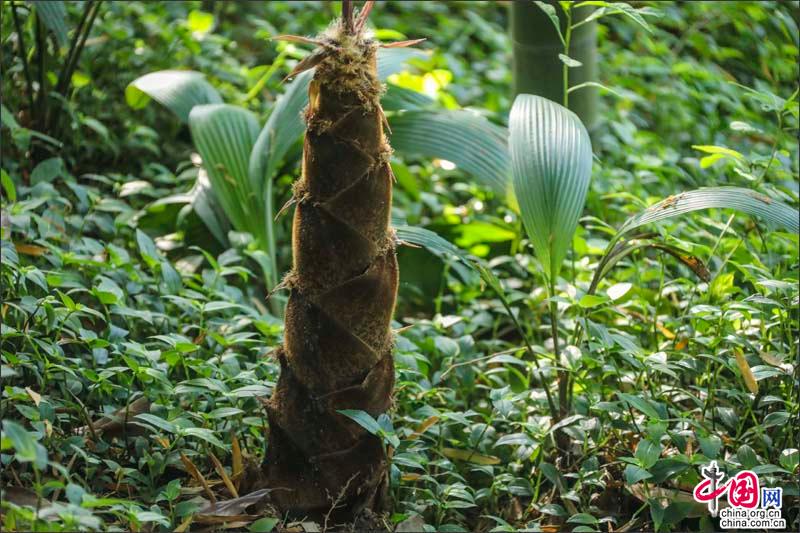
x: 584, y: 319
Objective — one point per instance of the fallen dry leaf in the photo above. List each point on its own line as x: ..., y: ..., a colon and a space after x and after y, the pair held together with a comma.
x: 119, y: 423
x: 747, y: 373
x: 237, y: 462
x: 238, y: 506
x: 35, y: 396
x: 184, y: 525
x: 470, y: 456
x: 195, y: 473
x: 431, y: 420
x: 30, y: 249
x: 223, y: 474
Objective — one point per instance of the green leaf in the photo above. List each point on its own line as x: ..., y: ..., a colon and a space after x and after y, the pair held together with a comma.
x: 612, y: 8
x: 283, y: 128
x: 710, y: 446
x: 641, y: 404
x: 435, y: 244
x: 656, y: 513
x: 177, y: 90
x: 79, y: 79
x: 647, y: 453
x: 156, y: 421
x: 224, y: 135
x: 264, y: 525
x: 68, y: 302
x: 790, y: 459
x: 171, y: 277
x: 635, y: 474
x: 591, y: 300
x: 200, y: 21
x: 23, y: 442
x: 594, y: 84
x: 391, y: 60
x: 203, y: 434
x: 470, y: 456
x: 107, y: 291
x: 74, y: 493
x: 225, y: 412
x: 8, y: 186
x: 773, y: 212
x: 150, y: 516
x: 554, y: 476
x: 514, y: 439
x: 363, y: 419
x: 582, y: 518
x: 53, y: 14
x: 747, y: 457
x: 569, y: 62
x: 147, y: 248
x: 719, y: 150
x: 551, y: 161
x: 618, y: 290
x: 399, y: 98
x: 462, y: 137
x: 48, y: 170
x: 550, y: 11
x: 617, y: 251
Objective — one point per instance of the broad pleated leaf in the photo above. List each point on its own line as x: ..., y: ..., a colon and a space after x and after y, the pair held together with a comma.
x: 551, y: 163
x: 177, y: 90
x: 391, y: 60
x: 224, y: 135
x: 432, y: 242
x: 467, y: 139
x: 53, y: 14
x: 204, y: 203
x: 283, y: 128
x: 775, y: 213
x: 399, y: 98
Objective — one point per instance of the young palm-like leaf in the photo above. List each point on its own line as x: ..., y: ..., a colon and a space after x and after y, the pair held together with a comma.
x: 773, y: 212
x: 177, y: 90
x: 53, y: 13
x: 224, y: 135
x: 281, y: 131
x: 459, y: 136
x: 432, y: 242
x: 551, y: 163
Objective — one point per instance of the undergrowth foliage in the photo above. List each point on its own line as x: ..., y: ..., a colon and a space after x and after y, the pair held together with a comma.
x: 137, y: 348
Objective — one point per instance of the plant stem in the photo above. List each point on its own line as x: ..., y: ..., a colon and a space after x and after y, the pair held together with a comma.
x: 523, y: 333
x: 42, y: 96
x: 75, y: 54
x: 565, y: 67
x: 774, y: 151
x: 272, y: 252
x: 72, y: 46
x: 563, y: 387
x: 23, y: 54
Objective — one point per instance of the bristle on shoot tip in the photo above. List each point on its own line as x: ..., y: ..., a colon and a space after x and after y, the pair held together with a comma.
x: 402, y: 44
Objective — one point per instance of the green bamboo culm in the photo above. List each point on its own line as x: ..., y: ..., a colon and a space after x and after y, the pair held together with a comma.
x: 537, y: 45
